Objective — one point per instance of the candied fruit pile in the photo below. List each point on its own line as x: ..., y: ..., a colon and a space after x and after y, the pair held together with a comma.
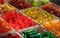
x: 18, y: 21
x: 5, y: 8
x: 53, y: 26
x: 52, y: 8
x: 38, y: 14
x: 8, y: 7
x: 38, y: 3
x: 20, y: 4
x: 2, y: 1
x: 4, y: 28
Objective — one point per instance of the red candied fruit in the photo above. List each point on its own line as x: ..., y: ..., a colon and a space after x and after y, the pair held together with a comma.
x: 52, y: 8
x: 18, y: 21
x: 20, y: 4
x: 1, y: 1
x: 4, y: 28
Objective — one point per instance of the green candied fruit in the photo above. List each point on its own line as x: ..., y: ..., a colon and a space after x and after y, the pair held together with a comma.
x: 38, y: 2
x: 38, y: 15
x: 31, y: 34
x: 35, y: 3
x: 35, y: 36
x: 47, y: 35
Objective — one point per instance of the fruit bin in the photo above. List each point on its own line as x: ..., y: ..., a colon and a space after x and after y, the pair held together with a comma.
x: 4, y: 28
x: 6, y: 8
x: 52, y: 8
x: 11, y: 35
x: 38, y: 3
x: 23, y: 4
x: 38, y: 14
x: 53, y: 26
x: 35, y: 28
x: 22, y: 32
x: 7, y: 31
x: 16, y: 4
x: 37, y: 33
x: 18, y: 21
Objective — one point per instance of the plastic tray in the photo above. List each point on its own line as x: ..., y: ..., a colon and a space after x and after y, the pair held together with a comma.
x: 56, y: 20
x: 11, y: 34
x: 42, y: 11
x: 38, y: 28
x: 5, y: 25
x: 28, y: 27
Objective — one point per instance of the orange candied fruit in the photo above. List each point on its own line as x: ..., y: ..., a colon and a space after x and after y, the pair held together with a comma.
x: 4, y: 28
x: 53, y: 26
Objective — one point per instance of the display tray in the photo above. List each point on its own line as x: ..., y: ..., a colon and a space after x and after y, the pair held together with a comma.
x: 6, y: 8
x: 52, y: 8
x: 40, y: 31
x: 52, y: 26
x: 11, y: 35
x: 38, y: 14
x: 24, y: 4
x: 19, y: 16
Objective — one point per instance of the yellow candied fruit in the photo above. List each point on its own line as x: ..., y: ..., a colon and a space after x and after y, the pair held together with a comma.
x: 8, y: 7
x: 38, y: 14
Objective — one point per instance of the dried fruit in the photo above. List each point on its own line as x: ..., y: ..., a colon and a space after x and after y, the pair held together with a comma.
x: 18, y: 21
x: 38, y: 14
x: 20, y: 4
x: 4, y: 27
x: 6, y: 8
x: 38, y: 2
x: 53, y: 26
x: 52, y: 8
